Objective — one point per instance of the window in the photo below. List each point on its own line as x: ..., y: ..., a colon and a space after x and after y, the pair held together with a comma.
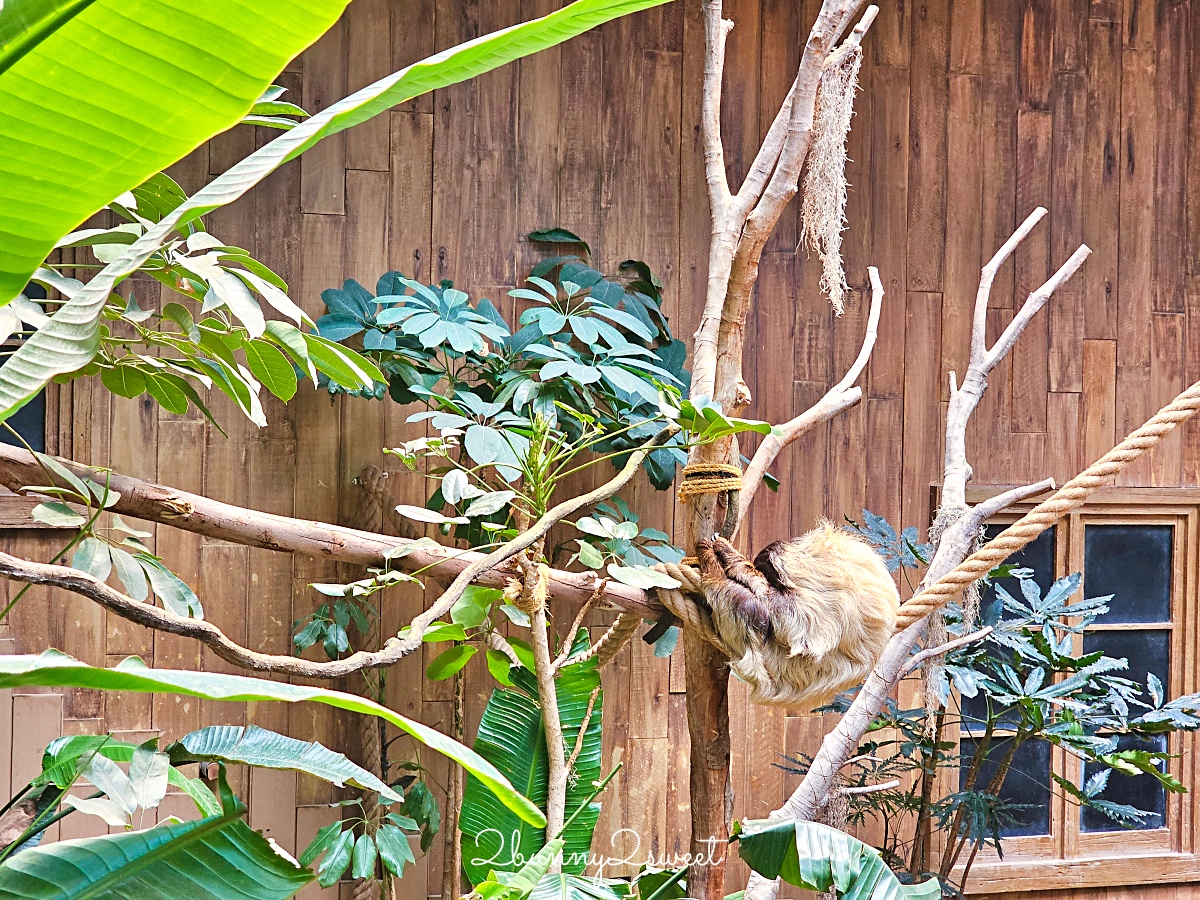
x: 1141, y: 546
x: 38, y: 423
x: 30, y: 420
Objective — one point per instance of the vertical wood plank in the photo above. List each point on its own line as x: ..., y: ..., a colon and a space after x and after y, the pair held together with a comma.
x: 1137, y: 252
x: 1001, y: 30
x: 889, y: 205
x: 322, y: 168
x: 1037, y: 53
x: 1031, y: 355
x: 922, y: 411
x: 1172, y: 83
x: 1099, y: 397
x: 410, y: 222
x: 368, y: 39
x: 1102, y: 179
x: 927, y: 157
x: 1066, y: 308
x: 1168, y: 333
x: 963, y: 228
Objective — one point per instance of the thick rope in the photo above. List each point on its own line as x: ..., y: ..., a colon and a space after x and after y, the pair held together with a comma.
x: 709, y: 478
x: 613, y: 641
x: 680, y: 602
x: 1068, y: 498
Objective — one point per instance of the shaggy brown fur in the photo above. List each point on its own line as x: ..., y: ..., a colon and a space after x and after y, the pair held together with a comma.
x: 808, y: 619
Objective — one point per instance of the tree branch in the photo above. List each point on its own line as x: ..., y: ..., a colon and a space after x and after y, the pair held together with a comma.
x: 394, y: 649
x: 955, y: 544
x: 942, y: 649
x: 211, y: 518
x: 841, y: 396
x: 964, y: 399
x: 983, y: 511
x: 716, y: 30
x: 871, y: 788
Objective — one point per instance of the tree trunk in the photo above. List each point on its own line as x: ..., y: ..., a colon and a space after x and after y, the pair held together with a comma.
x: 707, y: 681
x: 707, y: 674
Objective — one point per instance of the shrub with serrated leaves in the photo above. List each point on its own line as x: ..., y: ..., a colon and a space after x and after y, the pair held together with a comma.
x: 1027, y: 684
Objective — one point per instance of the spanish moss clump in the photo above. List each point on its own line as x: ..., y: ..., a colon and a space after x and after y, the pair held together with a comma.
x: 824, y: 212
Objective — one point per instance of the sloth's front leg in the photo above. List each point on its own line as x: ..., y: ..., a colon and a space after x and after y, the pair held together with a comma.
x: 733, y: 603
x: 737, y: 568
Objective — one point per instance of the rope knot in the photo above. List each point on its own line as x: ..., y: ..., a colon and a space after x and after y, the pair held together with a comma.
x: 709, y: 478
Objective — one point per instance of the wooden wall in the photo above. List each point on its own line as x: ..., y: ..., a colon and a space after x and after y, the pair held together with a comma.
x: 971, y: 114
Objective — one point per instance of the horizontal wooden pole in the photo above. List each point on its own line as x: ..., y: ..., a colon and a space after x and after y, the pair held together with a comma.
x: 198, y: 514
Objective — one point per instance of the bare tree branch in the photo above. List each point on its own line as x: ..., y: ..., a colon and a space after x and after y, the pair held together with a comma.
x: 741, y: 226
x: 964, y: 399
x: 871, y: 788
x: 394, y: 649
x: 841, y: 396
x: 917, y: 659
x: 716, y: 30
x: 955, y: 544
x: 983, y: 511
x: 211, y: 518
x: 1033, y: 304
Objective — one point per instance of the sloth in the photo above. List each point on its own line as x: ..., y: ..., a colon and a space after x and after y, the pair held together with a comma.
x: 808, y: 619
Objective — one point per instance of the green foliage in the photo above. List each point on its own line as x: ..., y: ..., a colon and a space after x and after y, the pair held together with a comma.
x: 68, y: 343
x: 820, y: 858
x: 1033, y: 688
x: 99, y: 551
x: 625, y: 551
x: 54, y: 669
x: 96, y: 115
x: 254, y: 746
x: 592, y: 356
x: 210, y: 859
x: 511, y: 737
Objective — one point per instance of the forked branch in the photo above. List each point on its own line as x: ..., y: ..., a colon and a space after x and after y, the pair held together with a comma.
x: 841, y: 396
x: 956, y: 543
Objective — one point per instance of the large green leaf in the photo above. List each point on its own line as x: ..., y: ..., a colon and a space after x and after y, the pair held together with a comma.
x: 101, y: 94
x: 55, y: 669
x: 511, y: 738
x: 69, y: 340
x: 215, y: 858
x: 61, y: 759
x: 256, y: 746
x: 818, y: 858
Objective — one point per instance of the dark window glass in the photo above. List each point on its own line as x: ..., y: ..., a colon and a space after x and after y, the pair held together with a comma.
x: 1139, y: 791
x: 1147, y: 651
x: 1026, y: 784
x: 30, y: 423
x: 30, y: 420
x: 1133, y: 563
x: 1039, y: 556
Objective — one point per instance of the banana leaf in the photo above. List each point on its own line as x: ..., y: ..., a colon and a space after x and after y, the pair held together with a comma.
x: 215, y: 858
x: 55, y: 669
x: 101, y: 94
x: 70, y: 339
x: 820, y: 858
x: 511, y: 738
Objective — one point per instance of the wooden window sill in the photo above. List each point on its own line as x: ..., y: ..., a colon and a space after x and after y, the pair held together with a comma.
x: 1091, y: 872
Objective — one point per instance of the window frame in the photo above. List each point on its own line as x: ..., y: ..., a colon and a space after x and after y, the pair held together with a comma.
x: 1069, y: 857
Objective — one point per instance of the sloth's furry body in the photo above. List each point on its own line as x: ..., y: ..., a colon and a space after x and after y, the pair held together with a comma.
x: 807, y: 619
